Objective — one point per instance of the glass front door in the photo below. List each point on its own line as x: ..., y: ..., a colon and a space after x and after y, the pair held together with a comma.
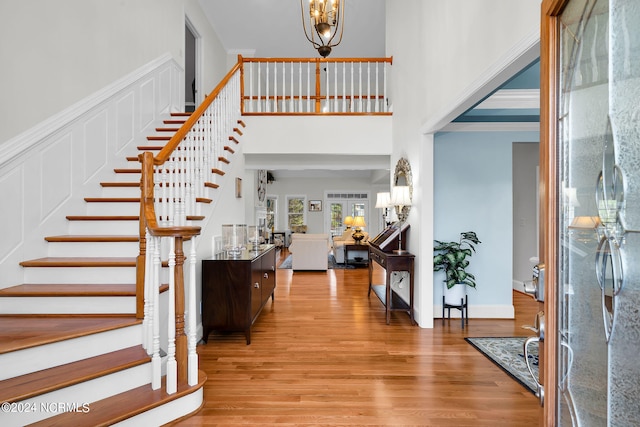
x: 598, y: 333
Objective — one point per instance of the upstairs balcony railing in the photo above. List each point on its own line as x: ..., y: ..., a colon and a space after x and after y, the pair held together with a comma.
x: 314, y: 85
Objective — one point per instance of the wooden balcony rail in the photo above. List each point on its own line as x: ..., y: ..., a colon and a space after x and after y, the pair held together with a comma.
x: 171, y: 183
x: 314, y: 85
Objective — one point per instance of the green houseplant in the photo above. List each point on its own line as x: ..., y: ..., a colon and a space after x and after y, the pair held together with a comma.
x: 452, y: 258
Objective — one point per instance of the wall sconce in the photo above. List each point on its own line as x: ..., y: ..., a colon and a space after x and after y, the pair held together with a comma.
x: 400, y: 197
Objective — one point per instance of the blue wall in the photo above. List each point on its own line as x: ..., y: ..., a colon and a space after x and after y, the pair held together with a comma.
x: 473, y: 192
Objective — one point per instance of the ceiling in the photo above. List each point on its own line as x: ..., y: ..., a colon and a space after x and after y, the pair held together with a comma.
x: 268, y: 28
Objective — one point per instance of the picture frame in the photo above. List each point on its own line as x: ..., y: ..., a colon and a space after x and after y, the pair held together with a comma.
x: 315, y: 205
x: 238, y: 188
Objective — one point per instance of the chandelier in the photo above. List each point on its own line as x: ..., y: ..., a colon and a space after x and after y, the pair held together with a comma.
x: 326, y: 17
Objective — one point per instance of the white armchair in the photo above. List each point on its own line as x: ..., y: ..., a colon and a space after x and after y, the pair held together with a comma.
x: 309, y: 251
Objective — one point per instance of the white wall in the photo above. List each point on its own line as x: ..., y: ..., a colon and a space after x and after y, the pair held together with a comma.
x: 444, y: 54
x: 473, y: 192
x: 57, y: 53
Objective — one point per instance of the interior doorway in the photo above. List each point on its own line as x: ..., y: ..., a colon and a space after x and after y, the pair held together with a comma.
x: 525, y: 189
x: 190, y: 68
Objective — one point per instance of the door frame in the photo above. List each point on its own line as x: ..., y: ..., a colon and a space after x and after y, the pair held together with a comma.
x: 197, y: 60
x: 549, y: 62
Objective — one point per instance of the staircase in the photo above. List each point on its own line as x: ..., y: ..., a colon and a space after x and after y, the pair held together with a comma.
x: 71, y: 347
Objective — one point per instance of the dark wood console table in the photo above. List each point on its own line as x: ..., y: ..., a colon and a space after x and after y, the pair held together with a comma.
x: 381, y: 253
x: 234, y: 290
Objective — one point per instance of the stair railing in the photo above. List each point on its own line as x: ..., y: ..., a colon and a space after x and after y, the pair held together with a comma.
x: 171, y: 184
x: 315, y: 86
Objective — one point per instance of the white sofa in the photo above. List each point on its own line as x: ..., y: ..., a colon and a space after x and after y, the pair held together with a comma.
x: 309, y: 251
x: 346, y: 238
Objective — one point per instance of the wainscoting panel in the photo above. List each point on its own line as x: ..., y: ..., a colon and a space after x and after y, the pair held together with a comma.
x: 124, y: 121
x: 147, y: 103
x: 12, y: 213
x: 56, y: 172
x: 164, y: 97
x: 46, y: 172
x: 96, y: 136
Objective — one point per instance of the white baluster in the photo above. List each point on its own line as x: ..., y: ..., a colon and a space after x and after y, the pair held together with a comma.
x: 300, y: 89
x: 147, y: 321
x: 335, y: 89
x: 292, y: 107
x: 259, y: 85
x: 192, y: 355
x: 172, y: 365
x: 156, y: 368
x: 385, y: 105
x: 251, y: 105
x: 377, y: 99
x: 368, y: 87
x: 284, y: 89
x: 353, y: 102
x: 360, y: 87
x: 309, y: 87
x: 344, y: 87
x: 266, y: 95
x: 327, y: 102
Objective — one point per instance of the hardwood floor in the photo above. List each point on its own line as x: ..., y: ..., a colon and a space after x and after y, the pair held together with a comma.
x: 321, y: 354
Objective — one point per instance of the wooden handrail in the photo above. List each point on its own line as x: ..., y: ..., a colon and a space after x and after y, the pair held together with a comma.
x: 175, y: 140
x: 319, y: 60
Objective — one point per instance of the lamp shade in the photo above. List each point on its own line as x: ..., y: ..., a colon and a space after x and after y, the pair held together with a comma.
x: 400, y: 196
x: 348, y: 221
x: 359, y: 222
x: 383, y: 200
x: 585, y: 222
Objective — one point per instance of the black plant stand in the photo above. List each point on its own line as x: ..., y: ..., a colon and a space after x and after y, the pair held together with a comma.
x: 462, y: 307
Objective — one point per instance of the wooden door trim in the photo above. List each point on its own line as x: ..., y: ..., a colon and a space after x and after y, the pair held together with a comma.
x: 549, y: 66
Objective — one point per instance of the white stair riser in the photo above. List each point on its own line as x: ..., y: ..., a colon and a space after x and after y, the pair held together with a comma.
x: 59, y: 353
x: 168, y: 412
x: 96, y: 249
x: 69, y: 305
x: 120, y: 191
x: 105, y: 227
x: 79, y: 395
x: 113, y: 208
x: 60, y: 275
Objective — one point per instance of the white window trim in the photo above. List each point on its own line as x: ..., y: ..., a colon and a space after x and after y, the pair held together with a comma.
x: 275, y: 209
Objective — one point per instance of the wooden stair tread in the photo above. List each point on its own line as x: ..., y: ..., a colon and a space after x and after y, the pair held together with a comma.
x: 48, y: 380
x: 159, y: 138
x: 112, y: 199
x: 72, y: 290
x: 81, y: 262
x: 18, y: 332
x: 122, y: 406
x: 103, y: 217
x: 92, y: 238
x: 120, y: 184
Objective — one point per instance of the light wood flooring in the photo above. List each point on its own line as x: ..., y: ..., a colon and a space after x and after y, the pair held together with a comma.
x: 322, y: 355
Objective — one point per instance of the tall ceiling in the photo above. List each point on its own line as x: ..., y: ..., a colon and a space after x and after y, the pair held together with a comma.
x: 273, y: 28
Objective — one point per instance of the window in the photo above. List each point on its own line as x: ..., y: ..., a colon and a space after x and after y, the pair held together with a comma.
x: 272, y: 212
x: 295, y: 210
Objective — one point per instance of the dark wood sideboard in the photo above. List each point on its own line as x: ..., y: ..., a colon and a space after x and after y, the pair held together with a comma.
x: 234, y: 290
x: 381, y: 252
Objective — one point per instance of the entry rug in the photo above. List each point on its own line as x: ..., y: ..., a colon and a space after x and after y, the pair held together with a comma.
x: 331, y: 263
x: 508, y: 354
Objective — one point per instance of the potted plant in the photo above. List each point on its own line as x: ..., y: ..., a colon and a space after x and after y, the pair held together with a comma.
x: 452, y: 258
